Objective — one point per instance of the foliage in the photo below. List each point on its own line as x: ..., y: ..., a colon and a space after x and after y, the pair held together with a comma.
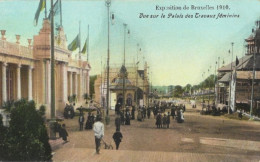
x: 26, y: 138
x: 86, y: 96
x: 187, y: 88
x: 2, y: 138
x: 178, y: 91
x: 74, y: 97
x: 70, y: 99
x: 8, y: 105
x: 91, y: 85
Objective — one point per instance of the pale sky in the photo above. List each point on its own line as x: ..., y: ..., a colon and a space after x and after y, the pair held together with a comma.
x: 178, y: 51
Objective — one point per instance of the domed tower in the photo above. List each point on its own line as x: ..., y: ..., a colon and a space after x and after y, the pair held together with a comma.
x: 253, y: 41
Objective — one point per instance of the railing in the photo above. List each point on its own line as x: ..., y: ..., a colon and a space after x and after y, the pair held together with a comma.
x: 15, y: 49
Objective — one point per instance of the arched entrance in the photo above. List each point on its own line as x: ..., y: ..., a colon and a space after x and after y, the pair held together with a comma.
x: 129, y: 99
x: 120, y: 99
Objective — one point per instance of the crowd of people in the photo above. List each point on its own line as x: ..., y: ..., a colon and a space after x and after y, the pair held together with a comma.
x: 162, y: 114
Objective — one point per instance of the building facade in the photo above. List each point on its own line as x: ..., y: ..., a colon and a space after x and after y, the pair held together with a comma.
x: 26, y: 70
x: 240, y: 72
x: 136, y: 86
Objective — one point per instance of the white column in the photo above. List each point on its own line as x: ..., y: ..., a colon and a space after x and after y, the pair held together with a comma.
x: 65, y: 82
x: 80, y: 84
x: 4, y: 92
x: 18, y: 73
x: 48, y: 82
x: 70, y: 77
x: 76, y: 84
x: 87, y: 78
x: 30, y: 83
x: 83, y: 81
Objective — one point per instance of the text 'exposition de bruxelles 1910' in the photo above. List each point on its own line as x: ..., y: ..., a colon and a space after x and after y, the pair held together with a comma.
x: 192, y: 7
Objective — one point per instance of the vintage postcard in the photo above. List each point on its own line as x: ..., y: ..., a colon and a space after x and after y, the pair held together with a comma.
x: 130, y: 80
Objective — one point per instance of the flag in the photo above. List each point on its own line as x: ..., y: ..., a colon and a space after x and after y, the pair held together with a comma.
x: 237, y: 61
x: 40, y: 8
x: 74, y: 44
x: 85, y: 47
x: 56, y: 9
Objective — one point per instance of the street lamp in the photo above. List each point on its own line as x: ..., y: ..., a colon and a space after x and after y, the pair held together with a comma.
x: 124, y: 73
x: 137, y: 74
x: 203, y: 74
x: 215, y: 81
x: 53, y: 120
x: 108, y: 4
x: 256, y: 40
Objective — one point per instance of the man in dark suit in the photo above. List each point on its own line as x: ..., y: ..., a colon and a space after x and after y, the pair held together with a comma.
x: 117, y: 138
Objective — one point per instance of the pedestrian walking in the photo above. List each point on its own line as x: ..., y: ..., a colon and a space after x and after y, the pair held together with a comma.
x: 63, y: 133
x: 117, y: 138
x: 144, y: 111
x: 164, y: 120
x: 168, y: 120
x: 122, y: 116
x: 89, y: 122
x: 159, y: 121
x: 133, y: 113
x: 81, y: 121
x: 173, y: 112
x: 117, y: 108
x: 118, y: 122
x: 148, y: 113
x: 98, y: 129
x: 139, y: 115
x: 127, y: 118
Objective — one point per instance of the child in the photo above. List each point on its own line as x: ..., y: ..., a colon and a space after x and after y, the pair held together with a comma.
x: 117, y: 138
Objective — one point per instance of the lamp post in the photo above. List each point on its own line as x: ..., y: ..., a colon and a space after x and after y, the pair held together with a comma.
x: 253, y: 80
x: 203, y: 87
x: 137, y: 76
x: 124, y: 72
x: 209, y: 84
x: 52, y: 122
x: 215, y: 82
x: 108, y: 4
x: 217, y: 94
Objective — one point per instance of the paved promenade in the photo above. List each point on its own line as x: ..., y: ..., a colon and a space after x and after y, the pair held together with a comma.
x: 199, y: 138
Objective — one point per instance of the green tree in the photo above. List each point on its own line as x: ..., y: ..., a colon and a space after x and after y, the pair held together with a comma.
x: 26, y: 138
x: 178, y: 91
x: 187, y: 88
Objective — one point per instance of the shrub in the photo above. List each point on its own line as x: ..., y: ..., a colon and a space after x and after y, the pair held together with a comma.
x: 86, y: 96
x: 26, y: 138
x: 2, y: 138
x: 8, y: 105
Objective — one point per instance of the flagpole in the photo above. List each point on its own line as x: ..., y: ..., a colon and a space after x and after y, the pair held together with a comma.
x: 88, y: 46
x: 60, y: 14
x: 79, y: 41
x: 45, y: 9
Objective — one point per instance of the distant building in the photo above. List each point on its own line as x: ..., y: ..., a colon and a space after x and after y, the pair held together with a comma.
x: 170, y: 89
x: 26, y: 70
x: 136, y: 83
